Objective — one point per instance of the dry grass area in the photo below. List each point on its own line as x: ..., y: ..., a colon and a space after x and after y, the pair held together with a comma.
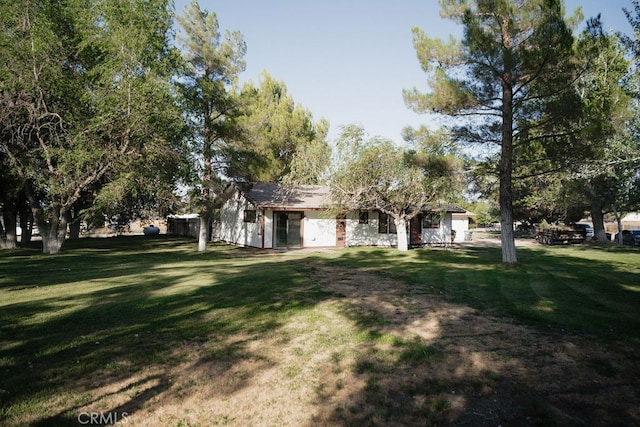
x: 376, y: 354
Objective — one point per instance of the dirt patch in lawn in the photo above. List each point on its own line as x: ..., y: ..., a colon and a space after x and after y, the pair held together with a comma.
x: 488, y: 370
x: 376, y: 352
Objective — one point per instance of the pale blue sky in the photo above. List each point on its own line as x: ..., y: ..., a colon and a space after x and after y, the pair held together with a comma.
x: 348, y: 60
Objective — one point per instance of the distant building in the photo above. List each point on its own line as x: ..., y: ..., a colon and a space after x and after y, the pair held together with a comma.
x: 183, y: 225
x: 631, y: 221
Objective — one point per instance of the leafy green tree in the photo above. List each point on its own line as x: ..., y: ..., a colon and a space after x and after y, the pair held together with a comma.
x: 543, y: 187
x: 213, y: 64
x: 32, y: 127
x: 375, y: 173
x: 542, y: 191
x: 86, y: 91
x: 513, y: 60
x: 624, y: 164
x: 559, y: 179
x: 486, y: 211
x: 143, y: 63
x: 604, y: 122
x: 277, y: 138
x: 311, y: 160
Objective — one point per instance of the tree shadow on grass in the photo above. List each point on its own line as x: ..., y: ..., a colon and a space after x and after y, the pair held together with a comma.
x: 448, y: 353
x: 110, y: 321
x: 75, y: 415
x: 561, y: 289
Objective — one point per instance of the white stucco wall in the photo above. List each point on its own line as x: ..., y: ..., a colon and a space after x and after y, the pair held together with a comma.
x: 367, y: 234
x: 460, y: 225
x: 319, y: 230
x: 233, y: 229
x: 440, y: 235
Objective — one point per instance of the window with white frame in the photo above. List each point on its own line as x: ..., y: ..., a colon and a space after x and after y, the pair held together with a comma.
x: 431, y: 220
x: 386, y: 224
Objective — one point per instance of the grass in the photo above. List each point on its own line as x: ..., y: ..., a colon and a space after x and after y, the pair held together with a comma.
x: 150, y: 328
x: 587, y: 289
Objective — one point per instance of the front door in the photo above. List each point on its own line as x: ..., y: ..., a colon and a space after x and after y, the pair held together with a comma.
x: 287, y: 230
x: 341, y: 230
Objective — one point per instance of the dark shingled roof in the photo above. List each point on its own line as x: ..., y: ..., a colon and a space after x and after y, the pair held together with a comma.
x: 450, y: 208
x: 267, y: 195
x: 278, y: 196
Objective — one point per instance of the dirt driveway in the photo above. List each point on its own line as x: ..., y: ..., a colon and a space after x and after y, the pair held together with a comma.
x: 486, y: 239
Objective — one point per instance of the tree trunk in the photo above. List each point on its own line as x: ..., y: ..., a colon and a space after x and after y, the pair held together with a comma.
x: 403, y: 236
x: 52, y: 224
x: 506, y: 169
x: 51, y: 243
x: 619, y: 222
x: 203, y: 235
x: 2, y: 238
x: 10, y: 240
x: 53, y: 232
x: 26, y: 223
x: 506, y: 210
x: 207, y: 179
x: 74, y: 229
x: 597, y: 217
x: 506, y: 213
x: 74, y: 225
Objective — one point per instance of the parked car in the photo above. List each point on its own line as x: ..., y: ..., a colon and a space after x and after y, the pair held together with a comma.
x: 588, y: 230
x: 629, y: 237
x: 151, y: 230
x: 34, y: 231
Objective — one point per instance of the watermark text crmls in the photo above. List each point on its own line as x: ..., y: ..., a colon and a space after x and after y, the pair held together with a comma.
x: 102, y: 418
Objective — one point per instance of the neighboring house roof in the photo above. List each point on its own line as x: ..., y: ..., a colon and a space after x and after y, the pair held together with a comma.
x: 270, y: 195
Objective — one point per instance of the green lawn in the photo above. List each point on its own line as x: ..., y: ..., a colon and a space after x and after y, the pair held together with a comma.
x: 149, y: 328
x: 588, y: 289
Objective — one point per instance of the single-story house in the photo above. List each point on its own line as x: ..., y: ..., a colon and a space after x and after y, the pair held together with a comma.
x: 267, y: 216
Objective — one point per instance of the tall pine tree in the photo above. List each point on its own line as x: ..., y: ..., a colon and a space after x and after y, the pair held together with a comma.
x: 514, y: 58
x: 213, y: 63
